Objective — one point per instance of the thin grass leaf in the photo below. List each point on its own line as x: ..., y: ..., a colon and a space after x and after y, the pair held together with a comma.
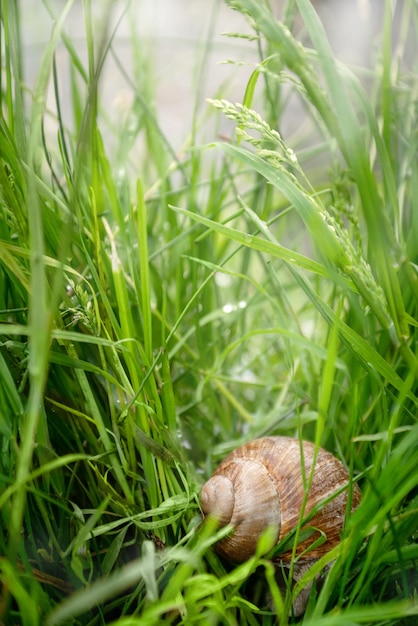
x: 145, y: 293
x: 40, y: 316
x: 258, y: 243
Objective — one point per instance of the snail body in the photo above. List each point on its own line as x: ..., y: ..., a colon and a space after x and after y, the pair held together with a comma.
x: 264, y: 484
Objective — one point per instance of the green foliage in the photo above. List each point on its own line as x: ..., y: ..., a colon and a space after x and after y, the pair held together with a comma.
x: 157, y: 312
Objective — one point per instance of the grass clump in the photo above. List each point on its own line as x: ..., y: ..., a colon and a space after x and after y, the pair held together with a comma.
x: 157, y: 312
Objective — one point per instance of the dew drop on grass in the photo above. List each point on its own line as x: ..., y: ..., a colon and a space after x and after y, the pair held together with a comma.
x: 223, y: 280
x: 230, y: 308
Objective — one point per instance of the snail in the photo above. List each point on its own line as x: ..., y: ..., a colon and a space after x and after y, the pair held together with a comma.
x: 264, y: 483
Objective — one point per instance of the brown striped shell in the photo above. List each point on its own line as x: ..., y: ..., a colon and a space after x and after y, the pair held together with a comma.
x: 263, y: 484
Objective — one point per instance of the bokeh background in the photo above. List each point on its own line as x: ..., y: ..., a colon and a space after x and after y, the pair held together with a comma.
x: 184, y: 44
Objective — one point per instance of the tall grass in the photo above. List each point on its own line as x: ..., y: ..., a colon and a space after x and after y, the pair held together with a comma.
x: 156, y: 313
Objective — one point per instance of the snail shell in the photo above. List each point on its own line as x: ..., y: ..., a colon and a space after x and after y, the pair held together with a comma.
x: 263, y: 484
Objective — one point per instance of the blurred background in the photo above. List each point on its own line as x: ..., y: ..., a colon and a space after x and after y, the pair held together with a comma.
x: 183, y: 44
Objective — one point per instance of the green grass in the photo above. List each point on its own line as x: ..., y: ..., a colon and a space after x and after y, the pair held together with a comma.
x: 158, y: 311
